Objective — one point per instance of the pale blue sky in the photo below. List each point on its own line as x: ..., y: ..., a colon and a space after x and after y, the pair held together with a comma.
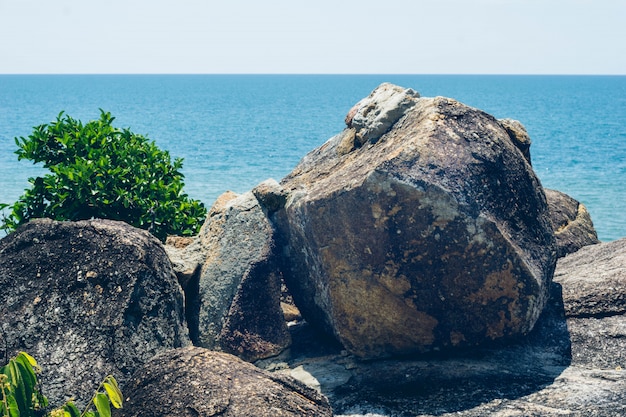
x: 321, y: 36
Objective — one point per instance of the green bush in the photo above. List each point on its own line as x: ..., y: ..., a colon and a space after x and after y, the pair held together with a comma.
x: 99, y: 171
x: 20, y: 395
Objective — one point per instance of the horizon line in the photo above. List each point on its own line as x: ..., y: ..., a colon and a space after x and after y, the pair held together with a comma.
x: 319, y: 74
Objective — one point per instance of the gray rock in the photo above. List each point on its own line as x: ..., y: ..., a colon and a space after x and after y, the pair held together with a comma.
x: 571, y: 222
x: 434, y: 235
x: 198, y: 382
x: 87, y: 299
x: 376, y: 114
x: 239, y: 282
x: 594, y: 280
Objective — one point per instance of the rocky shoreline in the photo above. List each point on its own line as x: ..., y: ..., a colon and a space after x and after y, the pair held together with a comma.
x: 411, y: 265
x: 570, y: 364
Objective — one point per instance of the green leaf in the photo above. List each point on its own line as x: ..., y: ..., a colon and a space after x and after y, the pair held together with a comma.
x: 29, y: 358
x: 22, y: 393
x: 70, y: 409
x: 113, y: 390
x: 13, y: 409
x: 101, y: 402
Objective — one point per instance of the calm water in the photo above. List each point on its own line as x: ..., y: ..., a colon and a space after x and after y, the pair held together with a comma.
x: 236, y: 130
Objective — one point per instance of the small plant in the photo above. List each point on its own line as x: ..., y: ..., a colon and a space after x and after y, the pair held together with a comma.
x: 21, y: 396
x: 99, y: 171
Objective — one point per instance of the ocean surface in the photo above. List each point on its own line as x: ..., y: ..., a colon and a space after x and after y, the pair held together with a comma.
x: 235, y: 131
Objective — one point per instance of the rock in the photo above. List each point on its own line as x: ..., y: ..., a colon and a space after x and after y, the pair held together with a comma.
x: 239, y: 282
x: 419, y: 229
x: 189, y: 254
x: 185, y: 254
x: 518, y: 134
x: 198, y: 382
x: 376, y: 114
x: 571, y: 222
x: 87, y: 299
x: 594, y: 280
x: 290, y: 312
x: 270, y: 195
x: 572, y: 363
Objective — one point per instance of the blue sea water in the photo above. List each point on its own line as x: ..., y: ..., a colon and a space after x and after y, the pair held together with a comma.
x: 234, y: 131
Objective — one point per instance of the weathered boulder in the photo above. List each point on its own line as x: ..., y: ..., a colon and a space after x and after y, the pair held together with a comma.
x: 87, y: 299
x: 571, y: 222
x: 233, y: 281
x: 197, y: 382
x: 571, y: 364
x: 594, y: 280
x: 427, y: 231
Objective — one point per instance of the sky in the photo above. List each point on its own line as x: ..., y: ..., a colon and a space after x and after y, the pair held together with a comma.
x: 311, y: 37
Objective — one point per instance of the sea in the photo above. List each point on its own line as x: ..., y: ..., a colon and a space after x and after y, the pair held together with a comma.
x: 234, y: 131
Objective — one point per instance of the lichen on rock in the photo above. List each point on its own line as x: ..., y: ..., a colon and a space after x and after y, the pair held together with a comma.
x: 435, y: 234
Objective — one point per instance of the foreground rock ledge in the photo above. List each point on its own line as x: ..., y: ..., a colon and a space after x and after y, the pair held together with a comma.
x: 419, y: 227
x: 197, y: 382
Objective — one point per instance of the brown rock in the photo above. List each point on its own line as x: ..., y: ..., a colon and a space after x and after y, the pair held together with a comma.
x: 290, y: 312
x: 567, y: 366
x: 198, y: 382
x: 431, y: 231
x: 571, y: 222
x: 270, y: 195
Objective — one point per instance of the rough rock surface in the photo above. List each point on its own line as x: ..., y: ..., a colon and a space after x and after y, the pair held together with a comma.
x: 87, y: 299
x: 270, y: 195
x: 573, y: 363
x: 571, y: 222
x: 197, y: 382
x: 426, y: 231
x: 518, y: 134
x: 594, y: 280
x: 238, y: 284
x: 374, y: 116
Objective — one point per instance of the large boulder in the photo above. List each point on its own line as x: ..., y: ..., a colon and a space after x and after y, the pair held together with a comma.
x: 571, y: 222
x: 87, y: 299
x: 571, y: 364
x: 197, y: 382
x: 419, y: 227
x: 232, y: 281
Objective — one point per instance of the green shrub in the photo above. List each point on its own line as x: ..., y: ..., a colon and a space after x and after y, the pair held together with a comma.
x: 99, y: 171
x: 21, y: 397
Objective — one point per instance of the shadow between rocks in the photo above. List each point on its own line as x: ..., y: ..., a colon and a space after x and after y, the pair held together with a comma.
x: 432, y: 384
